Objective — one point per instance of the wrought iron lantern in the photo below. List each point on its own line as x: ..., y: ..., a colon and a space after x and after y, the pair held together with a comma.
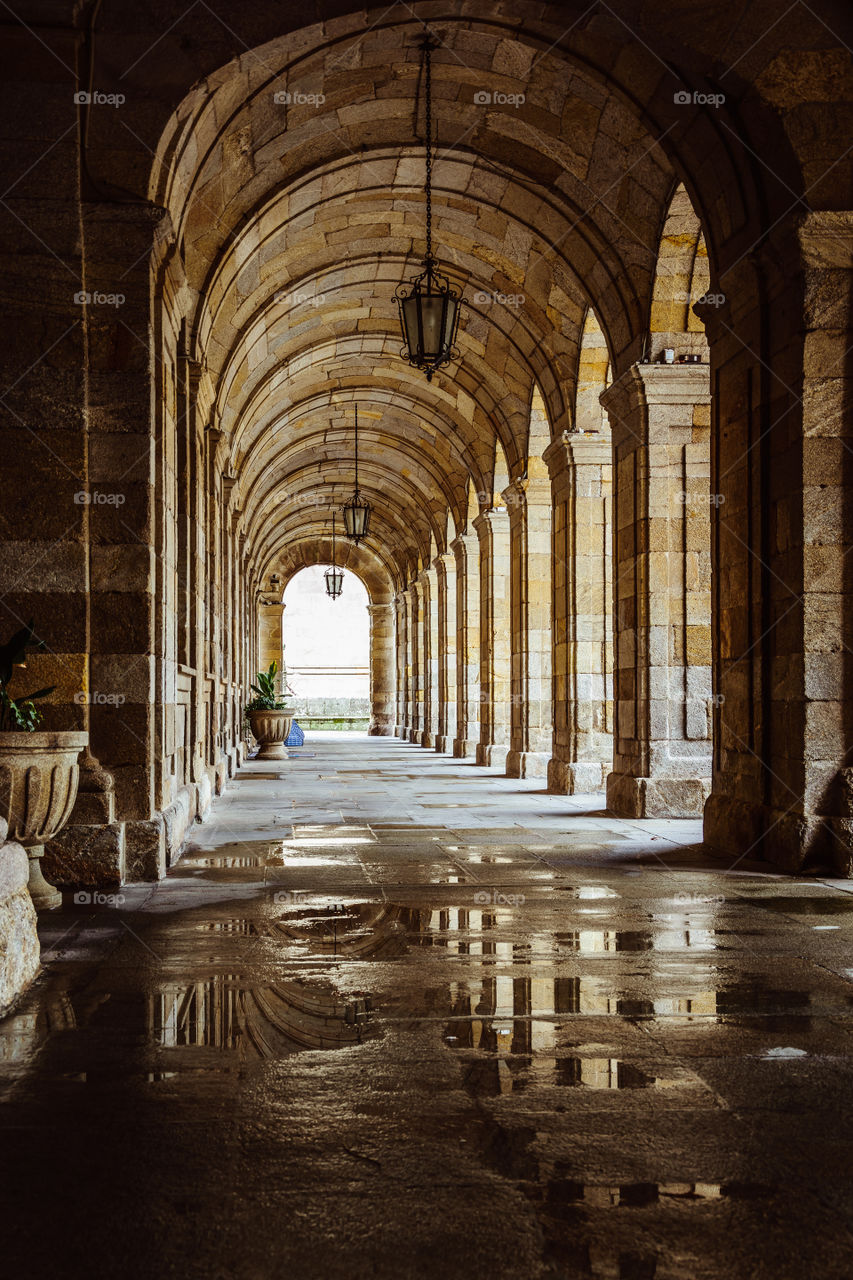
x: 429, y: 304
x: 357, y: 511
x: 333, y: 575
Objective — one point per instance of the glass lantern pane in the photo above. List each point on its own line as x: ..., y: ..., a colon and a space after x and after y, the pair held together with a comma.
x: 409, y: 312
x: 432, y: 312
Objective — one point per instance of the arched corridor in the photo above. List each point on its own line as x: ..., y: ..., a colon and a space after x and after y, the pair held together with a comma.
x: 533, y: 321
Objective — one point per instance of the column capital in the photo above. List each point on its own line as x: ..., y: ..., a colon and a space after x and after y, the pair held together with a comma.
x: 464, y: 543
x: 446, y: 560
x: 376, y: 610
x: 576, y: 448
x: 488, y: 520
x: 645, y: 384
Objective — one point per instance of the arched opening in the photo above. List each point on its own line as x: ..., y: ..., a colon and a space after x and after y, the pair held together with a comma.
x: 326, y: 651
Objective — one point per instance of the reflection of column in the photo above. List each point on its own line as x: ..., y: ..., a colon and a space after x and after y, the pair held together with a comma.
x: 428, y: 583
x: 581, y: 468
x: 445, y: 567
x: 529, y: 506
x: 660, y: 419
x: 418, y: 657
x: 402, y: 667
x: 493, y: 533
x: 382, y: 655
x: 466, y: 552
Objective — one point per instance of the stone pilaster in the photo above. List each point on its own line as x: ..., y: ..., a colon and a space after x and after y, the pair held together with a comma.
x: 402, y: 667
x: 270, y: 634
x: 660, y: 420
x: 493, y: 532
x: 445, y: 567
x: 580, y: 465
x: 382, y: 662
x: 466, y: 553
x: 416, y: 723
x: 531, y: 731
x: 428, y: 583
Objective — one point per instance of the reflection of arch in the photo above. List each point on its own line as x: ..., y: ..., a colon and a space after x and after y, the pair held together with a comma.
x: 361, y: 931
x: 257, y: 1022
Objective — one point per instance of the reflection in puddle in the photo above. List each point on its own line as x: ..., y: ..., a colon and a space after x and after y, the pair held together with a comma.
x: 360, y: 930
x: 260, y: 1022
x: 511, y: 1073
x: 636, y: 1194
x: 238, y: 928
x: 805, y: 906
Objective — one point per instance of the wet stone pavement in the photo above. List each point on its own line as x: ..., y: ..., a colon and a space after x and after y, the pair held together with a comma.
x: 393, y: 1015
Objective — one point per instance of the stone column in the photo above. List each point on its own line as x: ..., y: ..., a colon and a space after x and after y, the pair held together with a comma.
x: 660, y: 422
x: 580, y: 465
x: 402, y: 667
x: 270, y: 634
x: 531, y: 729
x: 466, y: 554
x: 782, y: 533
x: 445, y: 567
x: 411, y: 658
x: 493, y: 532
x: 382, y: 651
x: 428, y: 582
x: 416, y: 722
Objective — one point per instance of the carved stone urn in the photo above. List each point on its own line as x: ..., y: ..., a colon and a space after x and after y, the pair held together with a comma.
x: 271, y: 728
x: 38, y: 787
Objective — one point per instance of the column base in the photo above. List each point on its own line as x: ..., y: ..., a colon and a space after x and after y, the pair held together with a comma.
x: 414, y: 736
x: 381, y: 726
x: 427, y: 740
x: 492, y: 754
x: 19, y: 941
x: 527, y: 764
x: 787, y: 840
x: 87, y: 856
x: 464, y: 748
x: 580, y: 777
x: 443, y: 743
x: 630, y: 797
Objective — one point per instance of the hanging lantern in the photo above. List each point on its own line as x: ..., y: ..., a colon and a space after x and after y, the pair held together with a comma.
x: 429, y: 305
x: 333, y: 575
x: 357, y: 511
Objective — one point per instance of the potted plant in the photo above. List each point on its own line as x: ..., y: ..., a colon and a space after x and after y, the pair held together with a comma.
x: 269, y: 715
x: 38, y: 770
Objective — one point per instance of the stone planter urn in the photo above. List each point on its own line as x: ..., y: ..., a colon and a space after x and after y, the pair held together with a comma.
x: 271, y: 729
x: 38, y: 787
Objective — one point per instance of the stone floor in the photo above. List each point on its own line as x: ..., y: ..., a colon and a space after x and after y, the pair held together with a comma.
x: 393, y: 1015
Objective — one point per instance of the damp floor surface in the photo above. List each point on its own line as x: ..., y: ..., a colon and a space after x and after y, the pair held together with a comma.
x: 392, y: 1015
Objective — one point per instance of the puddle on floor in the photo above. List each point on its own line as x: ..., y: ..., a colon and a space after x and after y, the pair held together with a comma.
x: 799, y: 906
x: 638, y: 1194
x: 493, y: 1076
